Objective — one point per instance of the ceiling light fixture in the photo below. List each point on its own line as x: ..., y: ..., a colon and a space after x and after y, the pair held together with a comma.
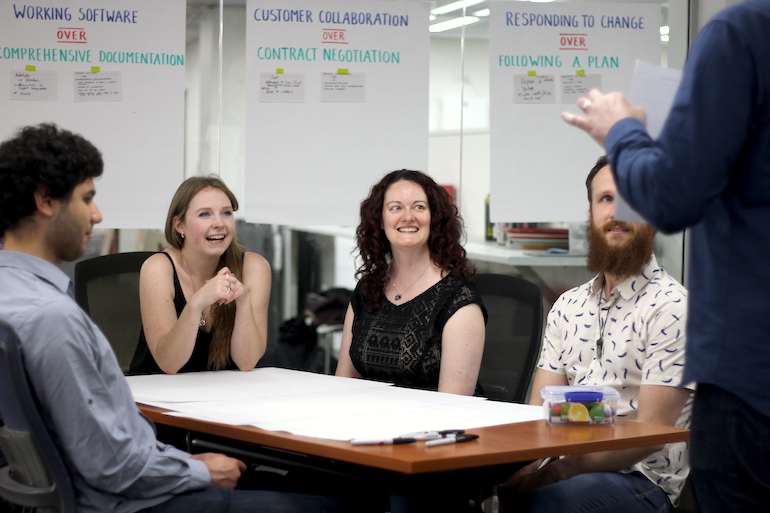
x: 453, y: 23
x: 454, y: 6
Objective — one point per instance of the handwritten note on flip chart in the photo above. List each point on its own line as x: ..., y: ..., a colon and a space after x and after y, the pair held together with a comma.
x: 33, y: 86
x: 283, y: 88
x: 536, y: 89
x: 97, y: 87
x: 342, y: 88
x: 574, y: 87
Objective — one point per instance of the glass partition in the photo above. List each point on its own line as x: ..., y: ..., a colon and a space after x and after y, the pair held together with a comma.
x: 459, y: 104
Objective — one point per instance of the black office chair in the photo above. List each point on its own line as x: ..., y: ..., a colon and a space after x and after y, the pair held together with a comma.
x: 107, y: 288
x: 514, y: 334
x: 35, y: 475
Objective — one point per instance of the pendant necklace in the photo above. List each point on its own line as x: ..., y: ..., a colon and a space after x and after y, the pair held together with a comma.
x: 602, y: 325
x: 203, y: 312
x: 399, y: 294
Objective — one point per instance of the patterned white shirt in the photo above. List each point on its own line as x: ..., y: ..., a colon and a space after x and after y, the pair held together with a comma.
x: 642, y: 328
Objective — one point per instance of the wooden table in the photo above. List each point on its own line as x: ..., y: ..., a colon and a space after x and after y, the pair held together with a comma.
x: 497, y: 445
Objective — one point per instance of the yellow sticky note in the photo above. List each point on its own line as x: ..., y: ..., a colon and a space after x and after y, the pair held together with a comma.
x: 95, y: 69
x: 342, y: 71
x: 279, y: 71
x: 29, y: 68
x: 580, y: 72
x: 531, y: 73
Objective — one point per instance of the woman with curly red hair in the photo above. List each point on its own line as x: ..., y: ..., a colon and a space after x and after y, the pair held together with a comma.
x: 415, y: 318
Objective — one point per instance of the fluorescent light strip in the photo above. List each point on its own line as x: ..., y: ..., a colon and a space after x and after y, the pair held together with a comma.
x: 454, y: 6
x: 453, y: 23
x: 482, y: 13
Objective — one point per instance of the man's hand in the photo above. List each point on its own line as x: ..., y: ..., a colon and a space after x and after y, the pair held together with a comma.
x: 224, y: 470
x: 602, y: 112
x: 531, y: 477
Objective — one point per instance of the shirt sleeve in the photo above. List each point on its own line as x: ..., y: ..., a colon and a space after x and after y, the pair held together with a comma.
x: 553, y: 335
x: 673, y: 180
x: 665, y: 342
x: 107, y: 443
x: 465, y: 293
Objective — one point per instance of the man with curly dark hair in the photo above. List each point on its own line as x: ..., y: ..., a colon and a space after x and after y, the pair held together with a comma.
x: 54, y: 162
x: 415, y: 318
x: 116, y: 463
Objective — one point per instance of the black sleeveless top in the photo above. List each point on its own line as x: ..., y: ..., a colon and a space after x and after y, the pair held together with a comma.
x: 401, y: 344
x: 143, y: 361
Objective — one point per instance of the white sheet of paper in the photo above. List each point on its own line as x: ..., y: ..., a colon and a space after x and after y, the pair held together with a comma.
x: 105, y: 86
x: 35, y: 86
x: 534, y: 89
x: 653, y: 88
x: 349, y: 87
x: 163, y: 390
x: 574, y: 87
x: 318, y: 405
x: 282, y: 88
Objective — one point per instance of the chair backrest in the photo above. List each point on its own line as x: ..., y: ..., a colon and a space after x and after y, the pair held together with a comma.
x: 514, y: 334
x: 35, y: 475
x: 107, y: 289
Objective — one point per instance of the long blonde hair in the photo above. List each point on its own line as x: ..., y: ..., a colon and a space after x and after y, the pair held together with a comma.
x: 222, y: 317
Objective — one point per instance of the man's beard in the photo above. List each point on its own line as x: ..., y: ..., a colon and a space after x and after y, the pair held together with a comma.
x: 621, y: 260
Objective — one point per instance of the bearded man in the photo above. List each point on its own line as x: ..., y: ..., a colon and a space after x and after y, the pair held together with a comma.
x: 624, y: 329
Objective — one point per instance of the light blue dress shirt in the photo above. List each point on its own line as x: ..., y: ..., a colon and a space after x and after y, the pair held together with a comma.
x: 115, y: 460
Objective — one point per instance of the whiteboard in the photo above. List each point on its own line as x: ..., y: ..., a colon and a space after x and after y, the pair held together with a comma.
x: 542, y: 58
x: 113, y: 72
x: 337, y: 96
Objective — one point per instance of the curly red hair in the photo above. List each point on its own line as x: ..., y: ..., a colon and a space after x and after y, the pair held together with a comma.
x: 446, y: 231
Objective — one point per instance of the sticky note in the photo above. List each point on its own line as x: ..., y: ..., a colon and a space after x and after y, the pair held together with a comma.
x: 29, y: 68
x: 342, y: 71
x: 95, y: 69
x: 531, y: 73
x: 279, y: 71
x: 580, y: 72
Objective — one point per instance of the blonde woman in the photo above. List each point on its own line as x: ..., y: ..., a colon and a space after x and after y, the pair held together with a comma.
x: 203, y: 300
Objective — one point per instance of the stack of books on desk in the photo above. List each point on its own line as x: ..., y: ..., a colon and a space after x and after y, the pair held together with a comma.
x: 537, y: 239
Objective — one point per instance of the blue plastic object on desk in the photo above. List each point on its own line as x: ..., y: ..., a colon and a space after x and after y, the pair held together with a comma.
x: 583, y: 397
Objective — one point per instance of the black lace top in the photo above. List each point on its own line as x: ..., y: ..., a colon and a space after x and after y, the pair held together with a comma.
x: 401, y: 344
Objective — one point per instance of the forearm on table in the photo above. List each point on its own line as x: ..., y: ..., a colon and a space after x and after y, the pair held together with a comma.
x: 248, y: 341
x: 173, y: 350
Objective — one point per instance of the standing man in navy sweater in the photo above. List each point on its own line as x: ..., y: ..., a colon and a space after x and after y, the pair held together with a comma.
x: 709, y: 170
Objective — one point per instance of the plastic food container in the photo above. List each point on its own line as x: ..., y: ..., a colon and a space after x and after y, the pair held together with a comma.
x: 579, y: 405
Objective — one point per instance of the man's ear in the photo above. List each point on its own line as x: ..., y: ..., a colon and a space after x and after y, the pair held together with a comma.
x: 46, y: 205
